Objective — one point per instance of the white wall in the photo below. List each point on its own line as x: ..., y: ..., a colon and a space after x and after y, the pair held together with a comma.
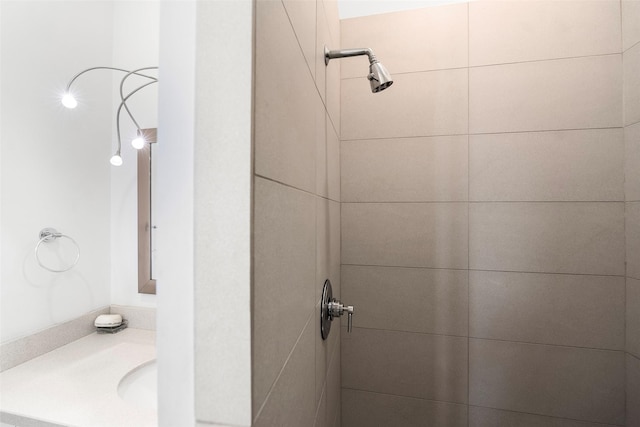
x: 135, y: 45
x: 55, y: 169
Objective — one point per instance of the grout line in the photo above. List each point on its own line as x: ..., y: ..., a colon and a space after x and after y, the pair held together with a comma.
x: 524, y: 131
x: 469, y: 338
x: 448, y: 402
x: 478, y: 202
x: 485, y: 270
x: 284, y: 184
x: 499, y: 64
x: 595, y: 423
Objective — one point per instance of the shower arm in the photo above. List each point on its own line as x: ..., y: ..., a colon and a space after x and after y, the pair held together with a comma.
x: 346, y: 53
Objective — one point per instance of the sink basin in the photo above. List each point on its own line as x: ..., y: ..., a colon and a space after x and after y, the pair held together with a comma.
x: 140, y: 385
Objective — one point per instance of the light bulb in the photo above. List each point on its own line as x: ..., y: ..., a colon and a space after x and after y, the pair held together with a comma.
x: 116, y: 160
x: 69, y: 101
x: 138, y: 143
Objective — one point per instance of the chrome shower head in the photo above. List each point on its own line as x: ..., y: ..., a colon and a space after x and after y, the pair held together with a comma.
x: 379, y: 77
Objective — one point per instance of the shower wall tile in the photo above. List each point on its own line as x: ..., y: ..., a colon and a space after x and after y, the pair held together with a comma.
x: 581, y: 384
x: 284, y: 264
x: 583, y: 238
x: 633, y: 391
x: 632, y: 162
x: 333, y: 382
x: 632, y: 220
x: 323, y: 37
x: 431, y: 38
x: 582, y: 165
x: 285, y: 114
x: 327, y: 245
x: 292, y: 401
x: 506, y: 32
x: 432, y: 367
x: 487, y: 417
x: 405, y: 169
x: 633, y: 317
x: 581, y: 311
x: 325, y: 352
x: 631, y: 60
x: 420, y: 104
x: 547, y: 95
x: 366, y: 409
x: 630, y: 23
x: 321, y: 412
x: 334, y: 95
x: 328, y: 164
x: 405, y: 234
x: 302, y: 15
x: 414, y: 299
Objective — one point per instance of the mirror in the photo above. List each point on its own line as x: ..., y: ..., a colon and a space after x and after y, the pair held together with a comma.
x: 146, y: 283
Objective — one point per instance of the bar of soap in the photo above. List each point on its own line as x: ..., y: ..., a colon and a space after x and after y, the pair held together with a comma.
x: 108, y: 320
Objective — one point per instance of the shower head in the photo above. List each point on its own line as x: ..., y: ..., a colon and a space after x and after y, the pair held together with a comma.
x: 379, y: 77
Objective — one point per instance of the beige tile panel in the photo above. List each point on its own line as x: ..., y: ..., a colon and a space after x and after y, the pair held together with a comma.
x: 405, y: 234
x: 583, y: 311
x: 302, y: 15
x: 325, y: 350
x: 328, y: 164
x: 632, y: 162
x: 365, y: 409
x: 321, y: 412
x: 418, y: 104
x: 632, y: 231
x: 286, y: 127
x: 633, y: 391
x: 321, y: 160
x: 487, y: 417
x: 577, y: 383
x: 579, y: 93
x: 334, y: 95
x: 633, y: 317
x: 631, y: 61
x: 630, y: 23
x: 431, y: 38
x: 333, y: 18
x: 506, y: 31
x: 579, y: 238
x: 292, y: 401
x: 432, y: 367
x: 284, y: 275
x: 323, y: 37
x: 333, y: 382
x: 582, y: 165
x: 405, y: 169
x: 414, y: 299
x: 327, y: 245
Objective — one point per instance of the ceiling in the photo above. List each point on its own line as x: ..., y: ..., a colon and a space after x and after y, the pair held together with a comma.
x: 355, y: 8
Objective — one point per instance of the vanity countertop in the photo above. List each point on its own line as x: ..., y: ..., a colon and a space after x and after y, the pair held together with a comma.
x: 77, y: 384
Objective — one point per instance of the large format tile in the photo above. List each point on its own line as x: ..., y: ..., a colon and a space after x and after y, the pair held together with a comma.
x: 503, y: 31
x: 632, y: 230
x: 284, y: 273
x: 366, y: 409
x: 327, y: 245
x: 334, y: 389
x: 414, y: 299
x: 405, y: 234
x: 631, y: 60
x: 414, y: 40
x: 583, y: 165
x: 583, y: 311
x: 630, y: 23
x: 487, y: 417
x: 583, y: 238
x: 418, y: 104
x: 292, y: 401
x: 633, y: 317
x: 407, y: 364
x: 546, y: 95
x: 633, y: 391
x: 302, y: 15
x: 632, y: 162
x: 576, y: 383
x: 286, y: 128
x: 405, y: 169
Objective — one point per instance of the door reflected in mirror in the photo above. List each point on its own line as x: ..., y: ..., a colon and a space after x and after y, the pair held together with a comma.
x: 146, y: 282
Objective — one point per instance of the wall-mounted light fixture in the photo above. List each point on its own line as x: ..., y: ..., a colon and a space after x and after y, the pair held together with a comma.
x: 69, y: 101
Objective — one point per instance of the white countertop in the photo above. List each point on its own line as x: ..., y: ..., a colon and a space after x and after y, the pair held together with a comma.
x: 76, y: 385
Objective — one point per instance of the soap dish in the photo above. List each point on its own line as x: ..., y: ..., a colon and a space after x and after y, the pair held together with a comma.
x: 112, y: 329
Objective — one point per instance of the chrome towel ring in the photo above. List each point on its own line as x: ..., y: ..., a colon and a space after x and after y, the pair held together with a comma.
x: 49, y: 235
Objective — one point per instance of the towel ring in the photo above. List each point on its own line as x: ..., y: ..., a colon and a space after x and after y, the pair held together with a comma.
x: 48, y: 235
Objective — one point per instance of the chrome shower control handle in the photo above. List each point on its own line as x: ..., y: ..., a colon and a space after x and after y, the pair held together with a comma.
x: 337, y: 309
